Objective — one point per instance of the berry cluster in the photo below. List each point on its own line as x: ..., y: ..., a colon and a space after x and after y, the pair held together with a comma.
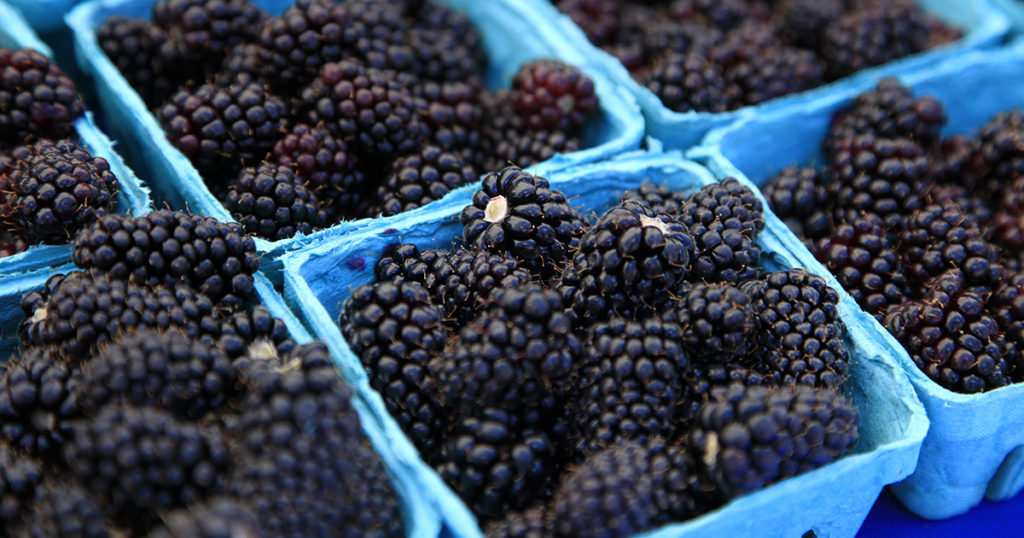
x: 49, y: 186
x: 154, y: 396
x: 335, y: 111
x: 575, y: 378
x: 924, y: 231
x: 712, y: 55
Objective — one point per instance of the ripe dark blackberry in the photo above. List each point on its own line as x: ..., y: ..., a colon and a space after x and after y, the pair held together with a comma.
x: 38, y: 401
x: 296, y: 43
x: 951, y: 337
x: 799, y: 326
x: 704, y: 377
x: 645, y: 36
x: 975, y: 207
x: 305, y: 466
x: 271, y: 202
x: 208, y: 29
x: 803, y: 22
x: 151, y: 63
x: 798, y: 196
x: 1007, y: 306
x: 872, y: 35
x: 888, y: 111
x: 530, y: 523
x: 58, y: 189
x: 724, y: 220
x: 222, y: 129
x: 721, y: 14
x: 748, y: 437
x: 395, y: 330
x: 327, y: 164
x: 519, y: 213
x: 422, y: 177
x: 241, y: 65
x: 20, y: 477
x: 165, y: 369
x: 942, y: 237
x: 599, y: 19
x: 628, y: 385
x: 241, y: 332
x: 79, y: 311
x: 1008, y: 222
x: 455, y: 113
x: 165, y: 247
x: 219, y: 518
x: 113, y: 455
x: 377, y: 35
x: 865, y: 263
x: 775, y: 72
x: 65, y: 510
x: 956, y: 162
x: 550, y: 94
x: 687, y: 81
x: 37, y: 100
x: 1000, y: 154
x: 507, y: 139
x: 446, y: 46
x: 626, y: 490
x: 728, y: 201
x: 716, y: 320
x: 660, y: 198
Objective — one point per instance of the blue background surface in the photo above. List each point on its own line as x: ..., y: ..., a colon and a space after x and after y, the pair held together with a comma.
x: 888, y: 518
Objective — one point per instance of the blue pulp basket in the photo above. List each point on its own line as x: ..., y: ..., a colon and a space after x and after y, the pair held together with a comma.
x: 831, y: 501
x: 133, y: 197
x: 509, y: 37
x: 1014, y: 9
x: 420, y: 519
x: 973, y: 448
x: 982, y: 24
x: 44, y: 15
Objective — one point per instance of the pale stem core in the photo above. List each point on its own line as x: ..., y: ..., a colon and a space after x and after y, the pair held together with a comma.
x: 651, y: 221
x: 496, y: 210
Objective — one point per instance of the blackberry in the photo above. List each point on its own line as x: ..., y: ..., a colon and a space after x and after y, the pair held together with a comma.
x: 775, y: 72
x: 38, y: 401
x: 660, y: 198
x: 872, y: 35
x: 729, y: 202
x: 974, y: 207
x: 629, y: 383
x: 454, y: 111
x: 724, y: 219
x: 865, y: 263
x: 1006, y: 305
x: 723, y: 15
x: 217, y: 518
x: 65, y: 510
x: 460, y: 282
x: 165, y: 247
x: 165, y: 369
x: 241, y: 65
x: 253, y: 329
x: 295, y: 44
x: 951, y: 338
x: 507, y: 139
x: 645, y: 36
x: 716, y: 320
x: 113, y: 456
x: 395, y: 330
x: 151, y: 63
x: 1008, y: 222
x: 1000, y: 153
x: 326, y: 163
x: 704, y: 377
x: 446, y: 46
x: 956, y: 162
x: 941, y: 237
x: 748, y: 437
x: 888, y: 111
x: 59, y: 188
x: 550, y: 94
x: 625, y: 490
x: 519, y: 213
x: 687, y: 81
x: 270, y: 201
x: 803, y: 22
x: 599, y: 19
x: 798, y: 196
x: 79, y: 311
x: 20, y: 477
x: 801, y: 334
x: 11, y: 244
x: 37, y: 100
x: 530, y: 523
x: 222, y: 129
x: 377, y: 33
x: 422, y: 177
x: 208, y: 29
x: 305, y: 466
x: 626, y: 260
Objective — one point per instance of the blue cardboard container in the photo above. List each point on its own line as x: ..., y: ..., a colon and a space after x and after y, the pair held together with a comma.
x: 973, y: 447
x: 44, y: 15
x: 133, y: 197
x: 983, y: 27
x: 831, y: 501
x: 1014, y: 9
x: 508, y: 33
x: 420, y: 520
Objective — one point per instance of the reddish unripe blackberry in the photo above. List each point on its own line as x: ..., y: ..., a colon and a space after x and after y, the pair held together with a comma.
x: 549, y: 94
x: 270, y: 201
x: 326, y: 163
x: 660, y: 198
x: 38, y: 401
x: 208, y: 29
x: 881, y: 176
x: 942, y: 237
x: 747, y: 437
x: 863, y: 260
x: 687, y: 81
x: 530, y: 523
x: 872, y: 35
x: 1008, y: 222
x: 717, y: 322
x: 222, y: 129
x: 951, y: 337
x: 799, y: 196
x: 143, y: 53
x: 37, y: 100
x: 887, y: 111
x: 1000, y: 154
x: 422, y: 177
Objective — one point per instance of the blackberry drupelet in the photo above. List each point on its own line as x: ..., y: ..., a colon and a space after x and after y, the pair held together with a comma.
x: 549, y: 94
x: 728, y: 201
x: 519, y: 213
x: 1006, y: 305
x: 422, y: 177
x: 530, y: 523
x: 1000, y: 153
x: 625, y: 490
x: 724, y: 220
x: 628, y: 384
x: 865, y: 263
x: 218, y: 518
x: 942, y: 237
x: 774, y: 72
x: 63, y: 509
x: 272, y: 202
x: 446, y: 46
x: 38, y: 402
x: 687, y: 81
x: 37, y: 100
x: 745, y: 438
x: 956, y: 162
x: 151, y: 63
x: 395, y: 330
x: 252, y: 330
x: 888, y: 111
x: 872, y: 35
x: 704, y: 377
x: 507, y: 139
x: 799, y: 196
x: 951, y: 337
x: 208, y: 29
x: 164, y: 247
x: 241, y: 65
x: 970, y: 204
x: 114, y: 456
x: 296, y: 43
x: 377, y: 35
x: 660, y: 198
x: 800, y: 330
x: 20, y: 477
x: 881, y: 176
x: 716, y: 322
x: 222, y: 129
x: 455, y: 113
x: 1008, y: 222
x: 326, y: 163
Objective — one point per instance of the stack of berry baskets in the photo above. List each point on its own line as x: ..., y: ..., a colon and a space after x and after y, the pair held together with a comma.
x: 656, y: 446
x: 362, y: 109
x: 119, y: 353
x: 916, y: 262
x: 37, y: 217
x: 699, y: 64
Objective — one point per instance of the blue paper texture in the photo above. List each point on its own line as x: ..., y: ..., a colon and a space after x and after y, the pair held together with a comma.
x: 832, y: 501
x: 133, y: 197
x: 509, y: 36
x: 972, y: 449
x: 1014, y: 9
x: 983, y: 26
